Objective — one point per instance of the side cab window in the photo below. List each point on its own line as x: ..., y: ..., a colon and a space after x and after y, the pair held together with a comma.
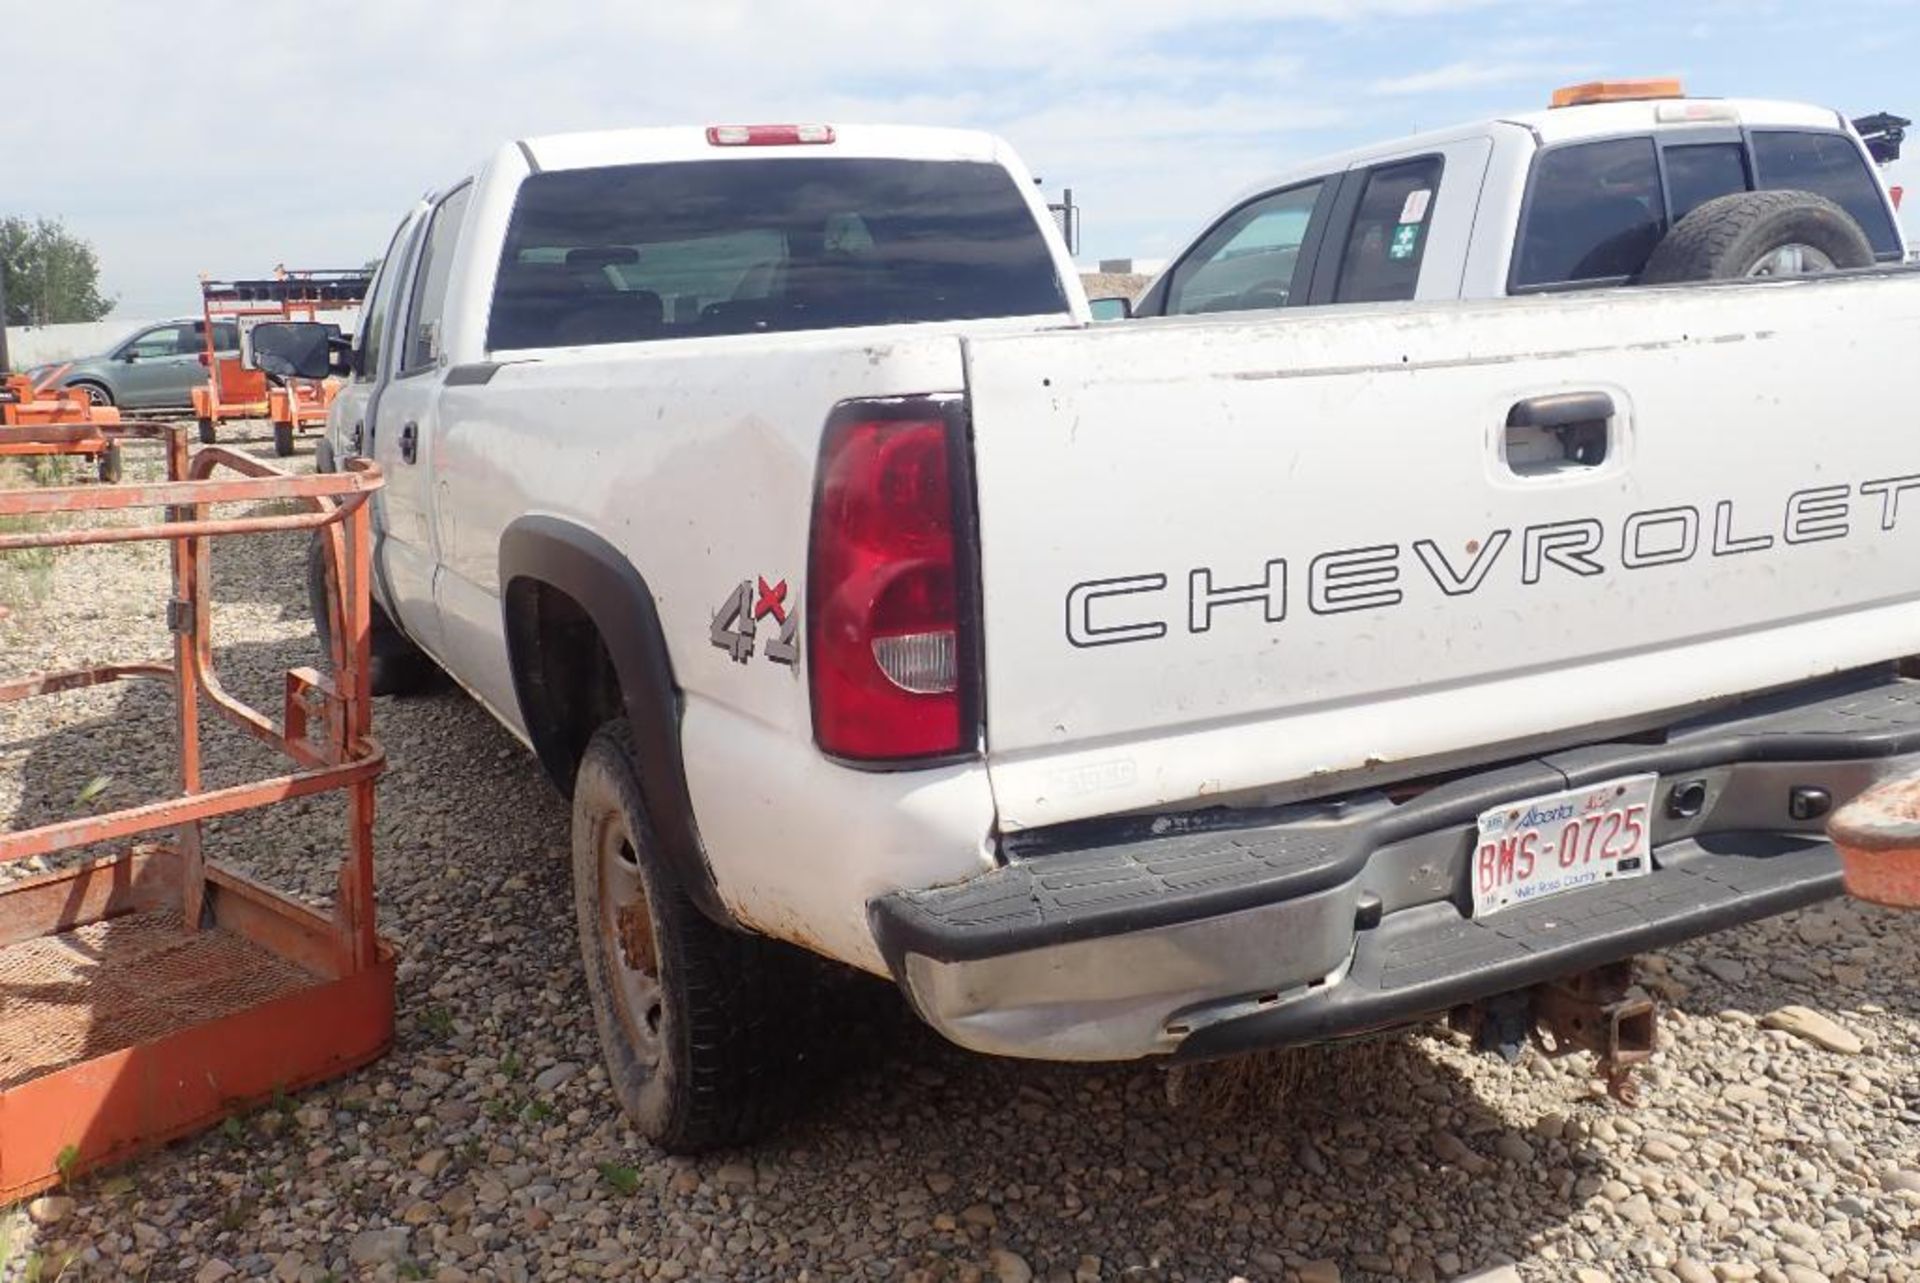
x: 1259, y: 256
x: 377, y: 312
x: 1387, y: 240
x: 420, y: 344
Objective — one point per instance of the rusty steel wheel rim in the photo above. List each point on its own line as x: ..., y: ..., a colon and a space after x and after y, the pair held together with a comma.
x: 627, y: 942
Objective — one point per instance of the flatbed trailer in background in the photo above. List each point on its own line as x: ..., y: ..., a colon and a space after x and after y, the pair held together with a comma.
x: 235, y: 388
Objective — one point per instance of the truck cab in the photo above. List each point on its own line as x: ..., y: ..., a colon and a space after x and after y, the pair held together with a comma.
x: 1573, y: 197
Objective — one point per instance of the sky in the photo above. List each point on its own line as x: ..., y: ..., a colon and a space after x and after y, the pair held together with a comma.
x: 224, y: 138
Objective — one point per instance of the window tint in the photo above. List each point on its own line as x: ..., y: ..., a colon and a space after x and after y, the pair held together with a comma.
x: 166, y: 340
x: 634, y: 252
x: 373, y: 314
x: 1594, y: 213
x: 1248, y: 260
x: 1700, y: 173
x: 1381, y: 262
x: 429, y: 297
x: 1829, y: 165
x: 226, y: 337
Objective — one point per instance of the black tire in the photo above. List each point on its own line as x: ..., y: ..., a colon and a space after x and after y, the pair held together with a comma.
x: 208, y: 433
x: 110, y: 463
x: 97, y: 393
x: 707, y: 1063
x: 397, y: 666
x: 1728, y: 238
x: 283, y: 440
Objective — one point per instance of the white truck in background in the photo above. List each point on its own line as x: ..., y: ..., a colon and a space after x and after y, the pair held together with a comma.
x: 1581, y: 195
x: 1162, y: 690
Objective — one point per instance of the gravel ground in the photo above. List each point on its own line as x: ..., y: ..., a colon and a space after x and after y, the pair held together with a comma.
x: 487, y: 1146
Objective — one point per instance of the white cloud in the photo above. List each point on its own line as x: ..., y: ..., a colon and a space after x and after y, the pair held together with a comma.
x: 214, y: 137
x: 1465, y: 75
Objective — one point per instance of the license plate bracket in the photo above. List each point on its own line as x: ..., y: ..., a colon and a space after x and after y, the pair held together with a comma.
x: 1553, y: 843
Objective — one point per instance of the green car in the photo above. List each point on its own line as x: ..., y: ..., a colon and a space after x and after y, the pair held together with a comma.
x: 156, y: 368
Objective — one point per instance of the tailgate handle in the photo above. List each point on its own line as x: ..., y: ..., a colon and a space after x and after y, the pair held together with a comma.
x: 1558, y: 431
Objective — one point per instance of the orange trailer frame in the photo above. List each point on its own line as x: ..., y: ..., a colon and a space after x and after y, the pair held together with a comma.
x: 235, y: 391
x: 39, y: 420
x: 151, y: 994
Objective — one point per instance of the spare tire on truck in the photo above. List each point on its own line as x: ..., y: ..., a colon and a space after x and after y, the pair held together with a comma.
x: 1782, y: 233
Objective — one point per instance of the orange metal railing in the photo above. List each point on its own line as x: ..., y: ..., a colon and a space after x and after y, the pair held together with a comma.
x: 150, y: 994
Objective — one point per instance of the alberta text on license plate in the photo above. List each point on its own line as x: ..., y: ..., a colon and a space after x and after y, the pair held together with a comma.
x: 1545, y: 845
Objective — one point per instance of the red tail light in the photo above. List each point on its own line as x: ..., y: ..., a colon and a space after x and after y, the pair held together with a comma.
x: 205, y: 360
x: 889, y: 640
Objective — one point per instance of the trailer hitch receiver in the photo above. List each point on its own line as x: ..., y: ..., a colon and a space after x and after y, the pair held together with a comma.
x: 1597, y: 1011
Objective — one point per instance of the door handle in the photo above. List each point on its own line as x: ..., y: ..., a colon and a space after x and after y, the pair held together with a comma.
x: 410, y: 442
x: 1561, y: 410
x: 1559, y: 431
x: 356, y: 440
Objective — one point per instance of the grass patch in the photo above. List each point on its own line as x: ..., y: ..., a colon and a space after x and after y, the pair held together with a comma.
x: 26, y: 574
x: 624, y: 1179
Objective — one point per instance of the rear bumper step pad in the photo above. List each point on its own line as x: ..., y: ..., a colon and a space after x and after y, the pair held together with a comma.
x: 1216, y: 932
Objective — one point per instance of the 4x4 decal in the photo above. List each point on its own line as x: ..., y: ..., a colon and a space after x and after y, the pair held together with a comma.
x: 734, y: 624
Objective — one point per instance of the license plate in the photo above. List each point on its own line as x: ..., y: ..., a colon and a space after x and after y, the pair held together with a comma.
x: 1545, y: 845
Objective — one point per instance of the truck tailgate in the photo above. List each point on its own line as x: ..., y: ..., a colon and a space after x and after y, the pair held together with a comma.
x: 1282, y: 555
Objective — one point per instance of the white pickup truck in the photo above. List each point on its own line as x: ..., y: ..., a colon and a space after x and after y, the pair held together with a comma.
x: 1581, y: 195
x: 1160, y: 690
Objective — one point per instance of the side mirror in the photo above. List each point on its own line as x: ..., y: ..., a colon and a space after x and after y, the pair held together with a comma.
x: 129, y: 356
x: 294, y: 349
x: 1111, y: 309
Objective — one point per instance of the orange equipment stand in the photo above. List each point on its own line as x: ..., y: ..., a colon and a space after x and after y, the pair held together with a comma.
x: 151, y: 994
x: 235, y: 390
x: 37, y: 419
x: 1878, y: 835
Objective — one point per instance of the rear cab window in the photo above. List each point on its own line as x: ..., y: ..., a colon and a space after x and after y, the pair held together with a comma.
x: 1829, y: 165
x: 1593, y: 214
x: 1595, y: 210
x: 631, y: 253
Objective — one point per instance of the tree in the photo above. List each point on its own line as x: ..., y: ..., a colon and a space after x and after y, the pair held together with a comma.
x: 52, y: 276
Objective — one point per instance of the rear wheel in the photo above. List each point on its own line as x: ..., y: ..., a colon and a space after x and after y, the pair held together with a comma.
x: 396, y: 666
x: 1759, y: 234
x: 692, y: 1017
x: 207, y: 433
x: 283, y: 440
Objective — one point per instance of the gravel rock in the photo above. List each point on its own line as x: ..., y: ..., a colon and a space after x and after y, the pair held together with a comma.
x: 1010, y: 1267
x: 1725, y: 969
x: 1512, y: 1147
x: 470, y: 1155
x: 378, y: 1247
x: 1822, y: 1031
x: 50, y: 1209
x: 555, y: 1077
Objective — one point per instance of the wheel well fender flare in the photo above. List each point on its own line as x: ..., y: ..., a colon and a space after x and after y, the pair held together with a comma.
x: 549, y: 552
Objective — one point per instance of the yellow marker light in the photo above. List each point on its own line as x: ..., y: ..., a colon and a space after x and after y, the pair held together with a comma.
x: 1616, y: 91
